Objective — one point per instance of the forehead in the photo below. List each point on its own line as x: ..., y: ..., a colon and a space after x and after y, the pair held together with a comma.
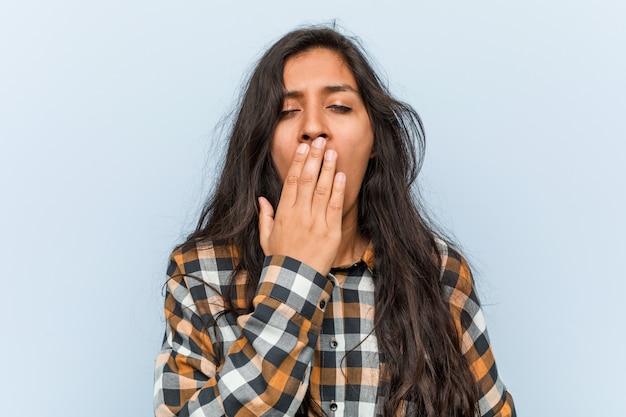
x: 317, y: 68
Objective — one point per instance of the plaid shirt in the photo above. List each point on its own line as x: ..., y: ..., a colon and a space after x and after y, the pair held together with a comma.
x: 307, y: 332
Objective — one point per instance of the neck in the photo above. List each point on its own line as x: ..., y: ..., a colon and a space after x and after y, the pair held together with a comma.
x: 352, y: 245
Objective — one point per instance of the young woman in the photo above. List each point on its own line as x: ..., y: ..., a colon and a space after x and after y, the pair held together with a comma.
x: 313, y: 284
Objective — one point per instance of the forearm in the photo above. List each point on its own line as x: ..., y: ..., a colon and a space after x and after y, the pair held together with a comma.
x: 265, y: 370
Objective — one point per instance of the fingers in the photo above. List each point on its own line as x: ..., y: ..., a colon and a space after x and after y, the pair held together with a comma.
x: 334, y: 209
x: 324, y: 186
x: 266, y: 223
x: 289, y: 193
x: 303, y: 173
x: 310, y: 171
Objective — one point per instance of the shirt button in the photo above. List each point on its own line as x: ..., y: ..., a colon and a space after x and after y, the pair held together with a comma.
x: 333, y: 406
x: 322, y: 304
x: 333, y: 344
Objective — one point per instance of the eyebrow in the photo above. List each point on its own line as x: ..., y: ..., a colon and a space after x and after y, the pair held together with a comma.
x: 327, y: 89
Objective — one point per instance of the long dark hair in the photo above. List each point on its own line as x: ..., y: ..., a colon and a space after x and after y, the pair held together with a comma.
x: 420, y: 347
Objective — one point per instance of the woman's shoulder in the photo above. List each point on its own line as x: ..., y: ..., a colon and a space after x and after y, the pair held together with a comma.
x: 455, y: 270
x: 206, y: 260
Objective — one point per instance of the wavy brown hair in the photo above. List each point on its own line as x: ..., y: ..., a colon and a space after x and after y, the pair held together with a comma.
x: 420, y: 348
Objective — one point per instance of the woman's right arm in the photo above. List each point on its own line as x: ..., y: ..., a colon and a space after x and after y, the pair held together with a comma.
x: 265, y: 370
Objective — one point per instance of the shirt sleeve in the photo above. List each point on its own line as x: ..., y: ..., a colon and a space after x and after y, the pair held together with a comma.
x: 265, y: 370
x: 495, y: 400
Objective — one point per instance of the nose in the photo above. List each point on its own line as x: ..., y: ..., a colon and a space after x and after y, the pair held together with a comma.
x: 308, y: 137
x: 313, y: 126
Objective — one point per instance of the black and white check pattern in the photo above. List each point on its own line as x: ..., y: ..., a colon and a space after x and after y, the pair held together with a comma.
x: 307, y: 332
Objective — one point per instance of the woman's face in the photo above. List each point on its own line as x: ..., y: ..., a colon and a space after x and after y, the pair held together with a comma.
x: 322, y: 100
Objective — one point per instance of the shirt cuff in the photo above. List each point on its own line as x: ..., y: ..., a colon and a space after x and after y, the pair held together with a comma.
x: 297, y: 285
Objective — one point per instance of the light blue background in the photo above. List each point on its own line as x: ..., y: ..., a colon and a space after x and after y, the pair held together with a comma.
x: 107, y: 112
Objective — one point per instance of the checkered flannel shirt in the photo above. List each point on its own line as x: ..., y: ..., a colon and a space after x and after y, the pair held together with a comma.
x: 307, y: 332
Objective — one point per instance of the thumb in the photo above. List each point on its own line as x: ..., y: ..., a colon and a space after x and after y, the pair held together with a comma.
x: 266, y: 223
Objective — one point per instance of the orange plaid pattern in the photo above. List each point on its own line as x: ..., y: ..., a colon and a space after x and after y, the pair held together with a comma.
x: 307, y: 333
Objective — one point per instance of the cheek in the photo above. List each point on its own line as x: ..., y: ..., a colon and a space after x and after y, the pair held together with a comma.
x: 282, y: 156
x: 355, y: 153
x: 353, y: 162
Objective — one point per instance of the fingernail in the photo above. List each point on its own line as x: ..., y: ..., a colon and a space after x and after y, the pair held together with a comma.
x: 341, y: 177
x: 302, y: 148
x: 330, y: 155
x: 319, y: 142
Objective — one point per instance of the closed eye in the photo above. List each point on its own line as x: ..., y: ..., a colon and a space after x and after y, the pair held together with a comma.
x: 339, y: 108
x: 286, y: 113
